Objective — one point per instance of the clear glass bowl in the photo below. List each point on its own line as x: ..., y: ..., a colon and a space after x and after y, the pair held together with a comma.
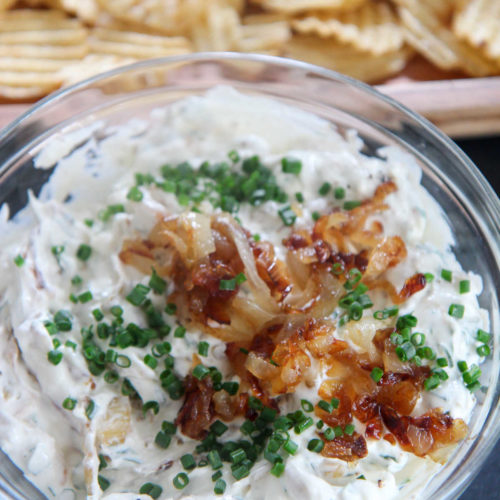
x: 472, y: 207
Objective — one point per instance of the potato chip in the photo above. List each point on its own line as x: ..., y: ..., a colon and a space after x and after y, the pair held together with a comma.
x: 135, y: 45
x: 438, y: 44
x: 268, y: 37
x: 34, y: 46
x: 346, y: 59
x: 218, y: 27
x: 6, y: 4
x: 373, y: 28
x: 478, y: 22
x: 295, y: 6
x: 91, y: 65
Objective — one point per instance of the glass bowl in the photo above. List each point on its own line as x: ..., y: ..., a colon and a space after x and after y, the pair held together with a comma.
x: 472, y: 207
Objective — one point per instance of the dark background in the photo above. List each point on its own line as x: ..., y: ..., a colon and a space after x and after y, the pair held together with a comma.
x: 485, y: 153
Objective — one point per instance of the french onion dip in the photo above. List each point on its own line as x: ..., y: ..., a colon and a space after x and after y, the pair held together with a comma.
x: 229, y: 299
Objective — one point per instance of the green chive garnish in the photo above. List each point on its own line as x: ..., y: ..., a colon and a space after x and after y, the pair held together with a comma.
x: 339, y: 193
x: 151, y: 489
x: 376, y: 374
x: 291, y: 165
x: 446, y: 274
x: 203, y: 348
x: 315, y: 445
x: 18, y: 260
x: 456, y: 311
x: 69, y: 404
x: 350, y: 205
x: 135, y: 194
x: 287, y: 215
x: 138, y: 294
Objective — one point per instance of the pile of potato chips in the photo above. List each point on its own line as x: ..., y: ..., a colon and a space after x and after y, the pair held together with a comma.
x: 46, y: 44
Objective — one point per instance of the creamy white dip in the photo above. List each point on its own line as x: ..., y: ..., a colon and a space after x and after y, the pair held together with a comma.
x: 53, y: 445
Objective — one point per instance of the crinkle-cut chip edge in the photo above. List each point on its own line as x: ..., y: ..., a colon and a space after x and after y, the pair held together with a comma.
x: 373, y: 28
x: 478, y: 22
x: 296, y: 6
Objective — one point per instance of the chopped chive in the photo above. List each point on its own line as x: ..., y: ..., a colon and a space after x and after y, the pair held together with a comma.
x: 62, y: 320
x: 338, y: 431
x: 325, y: 406
x: 277, y: 469
x: 238, y: 455
x: 418, y: 339
x: 464, y: 286
x: 335, y: 403
x: 376, y: 374
x: 256, y: 237
x: 151, y: 405
x: 103, y: 482
x: 156, y: 283
x: 299, y: 197
x: 85, y: 297
x: 231, y: 387
x: 76, y: 280
x: 200, y: 372
x: 70, y: 345
x: 306, y: 405
x: 350, y: 205
x: 349, y: 429
x: 97, y: 313
x: 483, y: 350
x: 426, y: 352
x: 151, y: 489
x: 150, y: 361
x: 287, y: 215
x: 456, y: 311
x: 462, y: 366
x: 163, y: 440
x: 315, y: 445
x: 57, y: 250
x: 90, y: 409
x: 203, y: 348
x: 50, y: 327
x: 18, y: 260
x: 291, y: 166
x: 442, y: 362
x: 216, y: 475
x: 325, y: 188
x: 188, y: 461
x: 56, y: 343
x: 240, y: 471
x: 441, y: 374
x: 88, y: 222
x: 227, y: 285
x: 290, y: 447
x: 116, y: 311
x: 432, y: 382
x: 315, y: 216
x: 179, y: 332
x: 406, y: 321
x: 446, y: 274
x: 123, y: 361
x: 406, y: 351
x: 111, y: 377
x: 240, y: 278
x: 483, y: 336
x: 339, y: 193
x: 302, y: 426
x: 73, y: 298
x: 84, y: 252
x: 329, y: 434
x: 386, y: 313
x: 429, y: 277
x: 233, y: 156
x: 138, y: 294
x: 170, y: 308
x: 219, y: 428
x: 55, y: 357
x: 135, y: 194
x: 69, y: 404
x: 214, y: 459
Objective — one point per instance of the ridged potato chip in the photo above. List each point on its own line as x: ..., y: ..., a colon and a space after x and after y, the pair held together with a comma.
x: 264, y: 38
x: 373, y: 28
x: 294, y: 6
x: 478, y: 22
x: 437, y: 43
x: 346, y: 59
x: 34, y: 46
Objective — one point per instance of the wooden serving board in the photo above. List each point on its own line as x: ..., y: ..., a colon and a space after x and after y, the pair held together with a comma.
x: 461, y: 107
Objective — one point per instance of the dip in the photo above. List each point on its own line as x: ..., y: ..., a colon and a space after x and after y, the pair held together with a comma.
x: 231, y: 299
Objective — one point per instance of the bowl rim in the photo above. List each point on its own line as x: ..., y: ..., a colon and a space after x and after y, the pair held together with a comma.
x: 282, y: 61
x: 491, y: 201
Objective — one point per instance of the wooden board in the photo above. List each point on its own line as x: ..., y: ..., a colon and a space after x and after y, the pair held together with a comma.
x: 464, y: 107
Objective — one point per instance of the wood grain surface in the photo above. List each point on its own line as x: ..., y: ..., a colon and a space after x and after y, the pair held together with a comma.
x: 462, y: 108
